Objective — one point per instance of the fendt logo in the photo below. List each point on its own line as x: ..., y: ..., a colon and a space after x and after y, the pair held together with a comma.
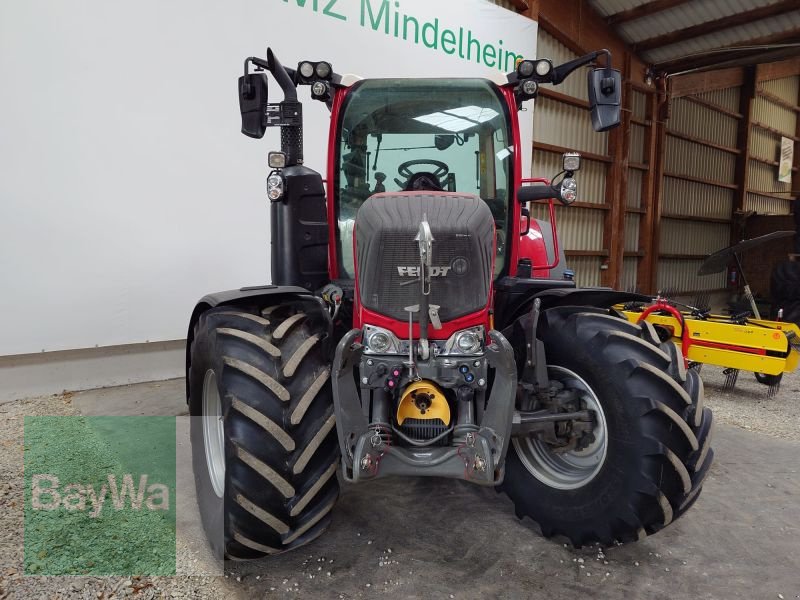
x: 414, y: 271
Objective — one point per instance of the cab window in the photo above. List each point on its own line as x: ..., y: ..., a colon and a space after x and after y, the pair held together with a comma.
x: 424, y: 134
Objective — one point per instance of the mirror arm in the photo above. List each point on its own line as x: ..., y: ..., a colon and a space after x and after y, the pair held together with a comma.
x: 561, y: 72
x: 281, y: 76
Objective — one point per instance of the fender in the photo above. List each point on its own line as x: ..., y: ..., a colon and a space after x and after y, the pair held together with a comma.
x: 514, y: 297
x: 257, y: 295
x: 597, y: 297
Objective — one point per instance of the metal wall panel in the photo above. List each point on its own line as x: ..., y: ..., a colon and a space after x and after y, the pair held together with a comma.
x: 550, y: 47
x: 765, y: 205
x: 569, y: 126
x: 787, y: 88
x: 632, y: 232
x: 726, y: 98
x: 693, y: 237
x: 638, y: 104
x: 587, y: 270
x: 681, y: 276
x: 764, y: 144
x: 578, y: 228
x: 635, y: 182
x: 629, y: 275
x: 764, y: 178
x: 637, y: 143
x: 774, y: 115
x: 693, y: 119
x: 696, y: 160
x: 696, y: 199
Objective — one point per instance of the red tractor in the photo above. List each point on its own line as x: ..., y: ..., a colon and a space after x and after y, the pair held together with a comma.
x: 423, y: 324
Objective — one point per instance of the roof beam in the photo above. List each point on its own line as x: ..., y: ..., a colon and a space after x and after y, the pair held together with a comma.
x: 710, y: 58
x: 742, y: 18
x: 643, y: 10
x: 519, y: 5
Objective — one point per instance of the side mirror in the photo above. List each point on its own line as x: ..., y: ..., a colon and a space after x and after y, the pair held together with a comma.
x: 253, y: 104
x: 605, y: 92
x: 443, y: 141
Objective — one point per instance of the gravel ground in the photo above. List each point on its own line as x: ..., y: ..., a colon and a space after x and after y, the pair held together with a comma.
x: 747, y: 406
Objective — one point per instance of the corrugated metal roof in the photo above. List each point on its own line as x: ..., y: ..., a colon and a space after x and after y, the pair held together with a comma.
x: 726, y: 37
x: 680, y: 17
x: 661, y: 25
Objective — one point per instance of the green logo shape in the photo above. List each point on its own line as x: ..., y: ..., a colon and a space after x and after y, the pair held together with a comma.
x: 100, y: 496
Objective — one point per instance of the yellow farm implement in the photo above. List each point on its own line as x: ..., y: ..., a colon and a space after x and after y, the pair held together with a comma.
x: 767, y: 348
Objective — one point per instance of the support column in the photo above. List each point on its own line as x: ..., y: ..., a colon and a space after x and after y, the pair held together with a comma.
x: 746, y: 96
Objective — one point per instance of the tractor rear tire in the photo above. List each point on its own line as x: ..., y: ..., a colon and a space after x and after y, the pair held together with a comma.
x: 264, y: 447
x: 651, y: 452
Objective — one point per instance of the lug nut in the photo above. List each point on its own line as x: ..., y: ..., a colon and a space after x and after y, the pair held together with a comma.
x: 370, y: 362
x: 477, y: 363
x: 481, y: 382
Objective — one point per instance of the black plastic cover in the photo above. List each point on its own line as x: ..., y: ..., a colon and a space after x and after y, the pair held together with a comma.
x: 299, y: 231
x: 387, y: 257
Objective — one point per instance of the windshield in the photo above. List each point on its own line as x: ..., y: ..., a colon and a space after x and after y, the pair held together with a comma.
x: 422, y: 134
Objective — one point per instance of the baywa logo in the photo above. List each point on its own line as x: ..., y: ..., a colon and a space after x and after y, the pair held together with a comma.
x: 100, y: 496
x: 47, y: 495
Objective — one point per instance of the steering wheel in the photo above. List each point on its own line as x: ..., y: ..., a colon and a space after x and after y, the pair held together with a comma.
x: 403, y: 170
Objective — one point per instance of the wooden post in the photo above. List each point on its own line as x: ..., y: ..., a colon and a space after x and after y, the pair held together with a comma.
x: 645, y: 276
x: 661, y: 115
x: 617, y: 188
x: 746, y: 96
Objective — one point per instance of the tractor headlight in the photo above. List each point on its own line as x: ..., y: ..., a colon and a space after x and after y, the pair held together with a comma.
x: 530, y: 87
x: 543, y: 67
x: 274, y: 187
x: 380, y: 341
x: 306, y: 69
x: 525, y: 69
x: 323, y: 70
x: 571, y: 161
x: 319, y: 89
x: 569, y: 190
x: 466, y: 341
x: 276, y: 160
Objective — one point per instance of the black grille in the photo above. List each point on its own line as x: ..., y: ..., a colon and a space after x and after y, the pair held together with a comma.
x: 463, y: 229
x: 423, y: 430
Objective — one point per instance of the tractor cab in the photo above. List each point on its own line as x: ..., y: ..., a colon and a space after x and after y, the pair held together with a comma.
x: 421, y: 135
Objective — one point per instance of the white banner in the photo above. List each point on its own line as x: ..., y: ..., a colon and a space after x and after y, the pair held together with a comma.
x: 787, y: 160
x: 127, y: 191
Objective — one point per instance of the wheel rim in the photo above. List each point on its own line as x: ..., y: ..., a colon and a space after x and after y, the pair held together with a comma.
x: 213, y: 433
x: 573, y: 469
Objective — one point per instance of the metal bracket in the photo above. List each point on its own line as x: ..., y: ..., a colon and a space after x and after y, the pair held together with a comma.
x: 534, y: 374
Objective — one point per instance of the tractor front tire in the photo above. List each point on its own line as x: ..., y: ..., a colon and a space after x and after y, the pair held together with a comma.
x: 264, y: 447
x: 651, y: 451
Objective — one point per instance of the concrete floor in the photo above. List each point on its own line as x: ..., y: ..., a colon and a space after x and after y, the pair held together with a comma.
x: 449, y: 539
